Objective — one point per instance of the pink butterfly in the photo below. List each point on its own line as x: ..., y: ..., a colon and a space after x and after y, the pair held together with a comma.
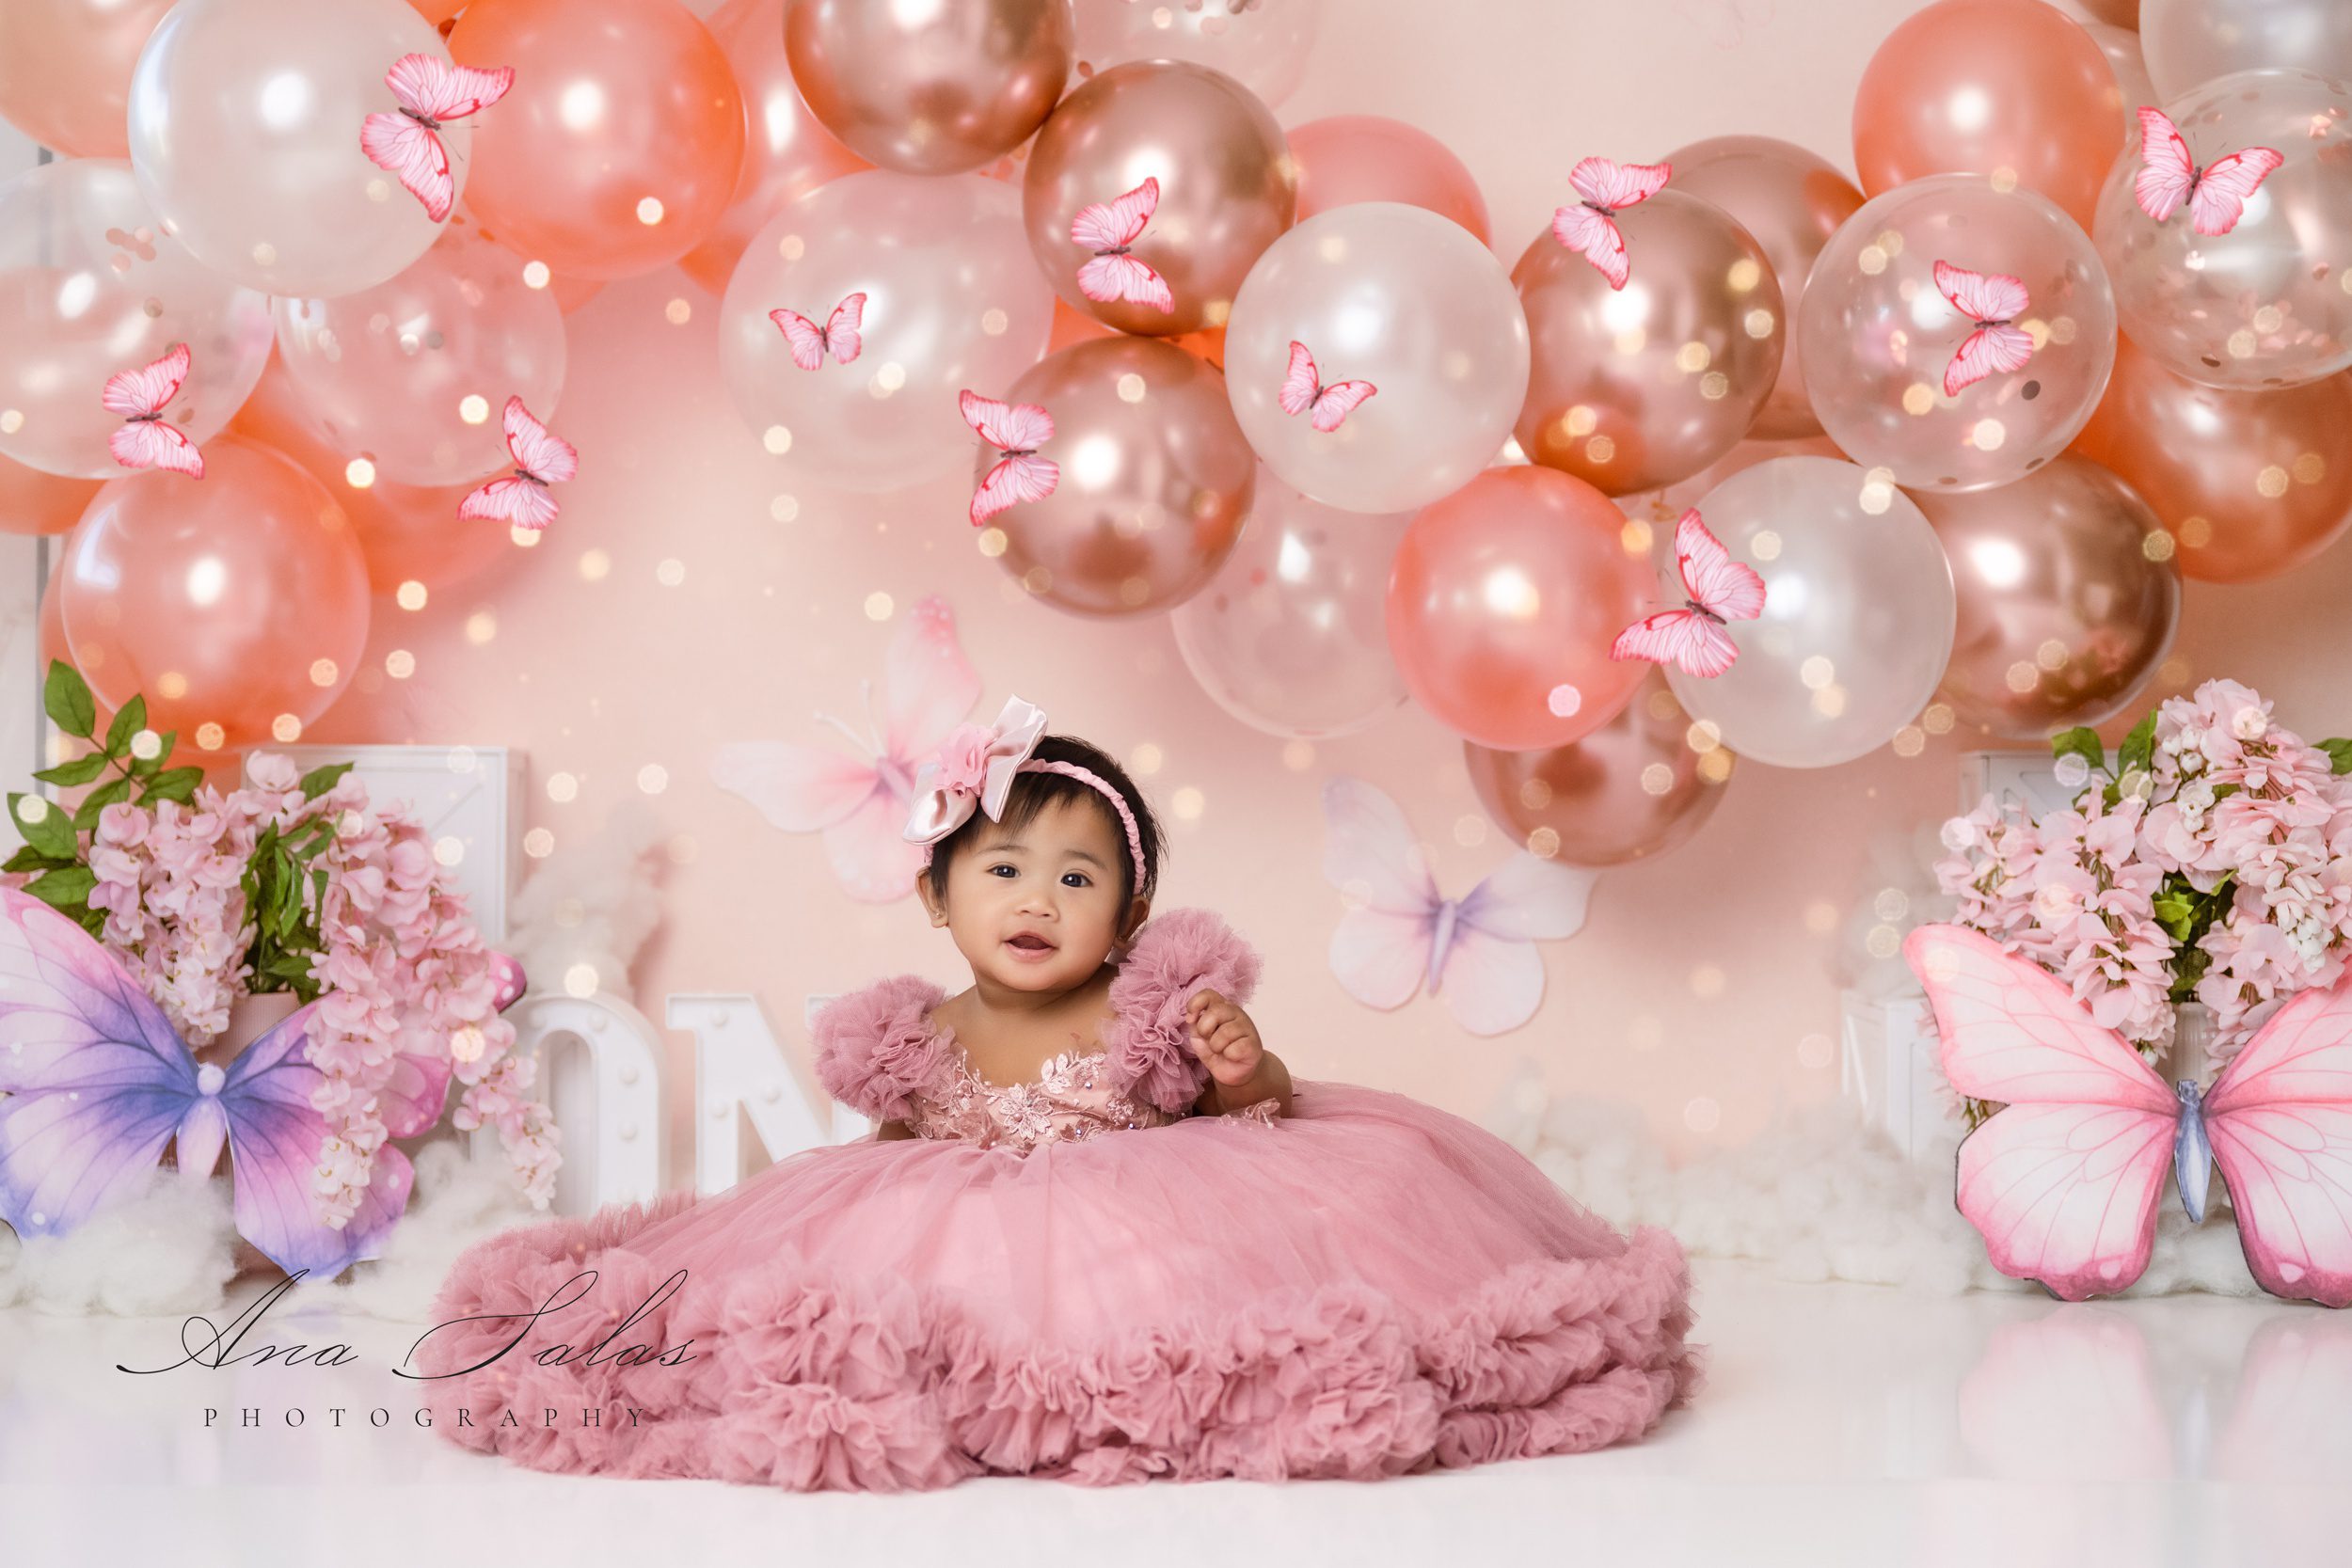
x: 432, y: 92
x: 1718, y: 590
x: 140, y: 397
x: 2217, y: 194
x: 1108, y: 229
x: 1015, y: 430
x: 2065, y: 1183
x: 1607, y: 188
x: 521, y: 500
x: 839, y: 334
x: 859, y: 804
x: 1993, y: 302
x: 1301, y: 391
x: 1475, y: 954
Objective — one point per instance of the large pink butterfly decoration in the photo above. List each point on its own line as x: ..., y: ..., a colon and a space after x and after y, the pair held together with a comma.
x: 140, y: 397
x: 1016, y: 431
x: 1476, y: 953
x: 1717, y: 589
x: 1604, y: 189
x: 840, y: 334
x: 859, y: 804
x: 2217, y: 194
x: 432, y: 92
x: 2064, y: 1183
x: 1991, y: 303
x: 1109, y: 229
x: 1302, y: 391
x: 521, y: 498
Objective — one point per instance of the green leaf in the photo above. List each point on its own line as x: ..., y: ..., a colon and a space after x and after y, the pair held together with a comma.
x: 81, y: 771
x: 318, y: 780
x: 142, y: 767
x: 65, y: 887
x: 107, y: 793
x: 173, y: 783
x: 52, y: 833
x: 29, y: 859
x: 2173, y: 913
x: 2081, y: 742
x: 128, y: 723
x: 2139, y: 747
x: 67, y: 697
x: 2339, y: 754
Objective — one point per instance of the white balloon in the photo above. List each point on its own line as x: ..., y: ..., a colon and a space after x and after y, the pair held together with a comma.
x: 1262, y: 43
x: 2190, y: 43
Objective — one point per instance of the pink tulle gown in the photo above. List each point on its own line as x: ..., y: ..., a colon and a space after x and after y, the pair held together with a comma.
x: 1074, y: 1278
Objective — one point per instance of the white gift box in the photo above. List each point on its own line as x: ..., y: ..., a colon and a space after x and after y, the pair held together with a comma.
x: 1889, y: 1069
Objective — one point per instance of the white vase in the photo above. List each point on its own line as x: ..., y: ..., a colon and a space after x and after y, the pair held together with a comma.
x: 2191, y: 1054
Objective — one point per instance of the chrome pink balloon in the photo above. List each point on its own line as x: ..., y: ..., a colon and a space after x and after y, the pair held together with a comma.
x: 1345, y: 159
x: 1408, y: 301
x: 90, y: 285
x: 64, y: 69
x: 1263, y: 45
x: 1291, y: 636
x: 940, y: 87
x: 1878, y: 334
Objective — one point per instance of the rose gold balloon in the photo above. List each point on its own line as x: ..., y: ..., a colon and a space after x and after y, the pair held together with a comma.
x: 1790, y: 202
x: 1227, y: 186
x: 1155, y: 479
x: 2250, y: 485
x: 33, y: 502
x: 939, y: 87
x: 238, y: 606
x: 2115, y: 13
x: 1635, y: 387
x: 1070, y: 327
x: 618, y: 147
x: 1634, y: 788
x: 1979, y: 86
x: 1263, y: 45
x: 1350, y: 158
x: 2068, y: 599
x: 1504, y: 601
x: 65, y: 71
x: 789, y: 153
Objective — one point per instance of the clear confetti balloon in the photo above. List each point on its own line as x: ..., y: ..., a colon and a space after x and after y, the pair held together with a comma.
x: 2270, y: 303
x: 2190, y: 42
x: 1265, y: 44
x: 1878, y: 336
x: 1858, y: 613
x: 953, y: 301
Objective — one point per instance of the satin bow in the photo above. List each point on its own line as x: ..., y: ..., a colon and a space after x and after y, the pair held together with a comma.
x: 973, y: 771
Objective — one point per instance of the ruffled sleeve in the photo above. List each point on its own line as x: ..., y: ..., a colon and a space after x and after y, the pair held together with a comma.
x: 1175, y: 955
x: 877, y: 1048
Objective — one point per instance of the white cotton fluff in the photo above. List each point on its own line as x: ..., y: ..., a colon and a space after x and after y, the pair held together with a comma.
x: 166, y: 1247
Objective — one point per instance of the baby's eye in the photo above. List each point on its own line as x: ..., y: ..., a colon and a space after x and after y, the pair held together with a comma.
x: 994, y: 869
x: 1079, y: 877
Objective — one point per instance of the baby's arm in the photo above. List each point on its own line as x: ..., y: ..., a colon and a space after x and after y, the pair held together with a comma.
x: 1241, y: 1072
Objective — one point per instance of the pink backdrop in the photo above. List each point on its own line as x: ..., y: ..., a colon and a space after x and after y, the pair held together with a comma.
x: 682, y: 599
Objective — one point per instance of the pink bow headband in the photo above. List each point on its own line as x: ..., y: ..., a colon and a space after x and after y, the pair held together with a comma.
x: 973, y: 771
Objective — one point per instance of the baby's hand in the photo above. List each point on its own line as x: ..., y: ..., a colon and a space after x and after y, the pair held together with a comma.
x: 1224, y: 1038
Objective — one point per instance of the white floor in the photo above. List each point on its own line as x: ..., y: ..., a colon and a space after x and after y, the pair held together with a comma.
x: 1842, y: 1423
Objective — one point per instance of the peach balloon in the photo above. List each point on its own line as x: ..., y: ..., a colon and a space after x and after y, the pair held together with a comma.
x: 2010, y: 88
x: 1070, y: 327
x: 1635, y: 387
x: 1634, y: 788
x: 1349, y: 158
x: 1227, y: 187
x: 2115, y: 13
x: 65, y: 71
x: 1155, y: 482
x: 2251, y: 484
x: 618, y: 150
x: 790, y: 152
x: 2068, y: 600
x: 49, y: 643
x: 940, y: 87
x: 238, y: 606
x: 33, y: 502
x: 1503, y: 602
x: 1790, y: 203
x: 2122, y: 47
x: 437, y: 12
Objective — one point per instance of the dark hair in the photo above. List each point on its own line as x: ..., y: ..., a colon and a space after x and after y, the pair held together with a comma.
x: 1032, y: 793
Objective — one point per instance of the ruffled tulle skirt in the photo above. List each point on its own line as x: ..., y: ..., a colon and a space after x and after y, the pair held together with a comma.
x: 1368, y: 1286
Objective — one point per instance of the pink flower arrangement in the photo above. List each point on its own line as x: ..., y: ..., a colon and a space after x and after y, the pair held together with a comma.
x: 2213, y: 863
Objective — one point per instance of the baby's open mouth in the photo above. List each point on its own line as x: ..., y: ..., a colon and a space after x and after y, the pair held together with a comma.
x: 1031, y: 943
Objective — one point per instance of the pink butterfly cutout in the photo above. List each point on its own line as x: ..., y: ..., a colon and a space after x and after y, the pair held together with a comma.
x: 839, y: 334
x: 2064, y: 1183
x: 1108, y: 229
x: 1016, y: 431
x: 2217, y: 194
x: 521, y: 498
x: 432, y: 92
x: 1301, y: 391
x: 140, y: 397
x: 1718, y: 590
x: 1606, y: 188
x: 1475, y: 954
x: 1992, y: 302
x: 859, y: 804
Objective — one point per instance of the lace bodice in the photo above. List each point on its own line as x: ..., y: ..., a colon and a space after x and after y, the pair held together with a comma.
x: 1072, y: 1098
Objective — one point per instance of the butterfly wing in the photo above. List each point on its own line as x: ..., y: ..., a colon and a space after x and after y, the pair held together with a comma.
x: 2228, y: 185
x: 1299, y: 385
x: 1711, y: 576
x: 413, y: 154
x: 1596, y: 236
x: 1109, y: 225
x: 152, y: 444
x: 2166, y: 173
x: 1107, y: 279
x: 1983, y: 297
x: 808, y: 340
x: 553, y: 459
x: 1986, y: 351
x: 1606, y: 183
x: 1492, y: 978
x: 1339, y: 400
x: 870, y: 852
x: 1026, y: 478
x: 2063, y: 1184
x: 513, y: 501
x: 845, y: 329
x: 1007, y: 426
x: 1687, y: 640
x: 438, y: 89
x: 1379, y: 955
x: 799, y: 789
x: 149, y: 389
x: 2280, y: 1120
x: 1370, y: 852
x: 931, y: 685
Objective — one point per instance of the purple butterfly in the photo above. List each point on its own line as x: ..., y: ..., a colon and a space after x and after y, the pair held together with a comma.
x: 93, y: 1079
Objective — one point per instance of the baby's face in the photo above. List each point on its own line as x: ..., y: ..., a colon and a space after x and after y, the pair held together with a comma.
x: 1037, y: 910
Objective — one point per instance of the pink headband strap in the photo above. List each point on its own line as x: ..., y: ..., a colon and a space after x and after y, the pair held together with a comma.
x: 1119, y: 803
x: 973, y: 771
